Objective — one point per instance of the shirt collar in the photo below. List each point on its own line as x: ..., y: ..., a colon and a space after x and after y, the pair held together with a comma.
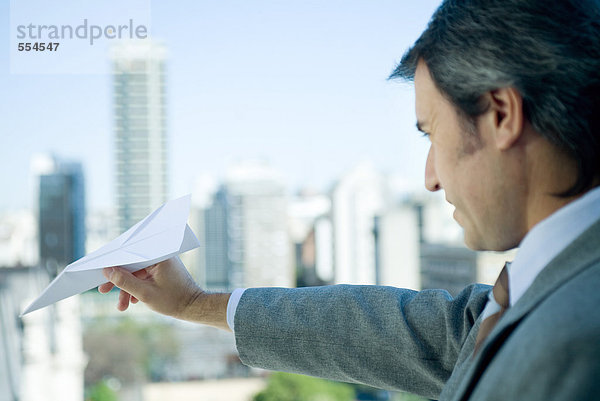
x: 548, y: 238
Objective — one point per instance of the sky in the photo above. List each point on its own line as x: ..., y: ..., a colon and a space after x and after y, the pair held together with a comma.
x: 300, y: 84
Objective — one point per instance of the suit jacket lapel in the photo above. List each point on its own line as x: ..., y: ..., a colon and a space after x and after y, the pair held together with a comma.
x: 582, y: 253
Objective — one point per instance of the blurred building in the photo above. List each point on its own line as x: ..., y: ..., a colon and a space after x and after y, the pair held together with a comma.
x: 208, y: 353
x: 140, y: 129
x: 41, y: 355
x: 219, y: 239
x: 397, y: 237
x: 18, y: 239
x: 205, y: 187
x: 247, y: 242
x: 356, y: 199
x: 449, y: 267
x: 101, y: 228
x: 61, y: 211
x: 311, y: 234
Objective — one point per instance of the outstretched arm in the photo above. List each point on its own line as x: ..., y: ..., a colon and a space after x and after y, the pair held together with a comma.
x: 168, y: 288
x: 386, y: 337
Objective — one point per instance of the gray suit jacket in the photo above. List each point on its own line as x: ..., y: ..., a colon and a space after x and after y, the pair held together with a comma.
x: 545, y: 347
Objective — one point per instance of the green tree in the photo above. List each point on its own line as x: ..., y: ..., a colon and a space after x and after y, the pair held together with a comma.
x: 291, y: 387
x: 101, y: 392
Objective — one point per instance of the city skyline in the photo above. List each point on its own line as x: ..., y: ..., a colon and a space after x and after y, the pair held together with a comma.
x: 300, y: 85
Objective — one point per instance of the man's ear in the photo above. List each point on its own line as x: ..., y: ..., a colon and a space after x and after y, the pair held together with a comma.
x: 506, y: 106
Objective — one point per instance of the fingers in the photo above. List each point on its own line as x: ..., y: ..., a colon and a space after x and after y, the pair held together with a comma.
x: 106, y: 287
x: 123, y: 302
x: 141, y: 274
x: 127, y: 281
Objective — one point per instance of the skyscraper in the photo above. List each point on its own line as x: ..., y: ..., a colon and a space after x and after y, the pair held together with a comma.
x: 140, y: 129
x: 61, y: 216
x: 218, y: 264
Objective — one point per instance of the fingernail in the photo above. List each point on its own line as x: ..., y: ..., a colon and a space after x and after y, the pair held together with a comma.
x: 108, y: 272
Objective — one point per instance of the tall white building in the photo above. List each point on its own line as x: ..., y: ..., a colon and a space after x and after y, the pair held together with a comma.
x: 247, y: 241
x: 398, y: 247
x: 140, y: 129
x: 357, y: 198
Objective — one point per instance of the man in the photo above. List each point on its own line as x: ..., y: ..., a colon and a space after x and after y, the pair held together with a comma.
x: 508, y: 91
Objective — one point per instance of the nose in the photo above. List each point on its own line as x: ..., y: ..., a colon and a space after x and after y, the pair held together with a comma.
x: 432, y: 183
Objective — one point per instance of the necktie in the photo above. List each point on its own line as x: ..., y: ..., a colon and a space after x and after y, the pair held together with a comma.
x: 500, y: 292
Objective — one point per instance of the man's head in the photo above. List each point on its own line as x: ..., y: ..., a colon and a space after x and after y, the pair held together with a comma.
x: 518, y: 82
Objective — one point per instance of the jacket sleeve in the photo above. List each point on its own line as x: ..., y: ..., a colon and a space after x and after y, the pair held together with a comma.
x: 385, y: 337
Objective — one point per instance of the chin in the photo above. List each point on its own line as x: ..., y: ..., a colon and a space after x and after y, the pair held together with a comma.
x: 479, y: 243
x: 475, y: 241
x: 476, y: 246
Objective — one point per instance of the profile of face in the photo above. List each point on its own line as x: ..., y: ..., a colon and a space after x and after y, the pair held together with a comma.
x: 466, y: 163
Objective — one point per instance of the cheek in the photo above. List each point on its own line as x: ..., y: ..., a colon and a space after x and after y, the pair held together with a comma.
x: 481, y: 199
x: 470, y: 188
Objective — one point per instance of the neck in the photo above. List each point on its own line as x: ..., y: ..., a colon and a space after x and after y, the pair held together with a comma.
x: 544, y: 205
x: 551, y: 172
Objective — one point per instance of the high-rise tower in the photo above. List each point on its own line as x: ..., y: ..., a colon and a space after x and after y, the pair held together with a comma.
x: 140, y: 129
x: 61, y: 212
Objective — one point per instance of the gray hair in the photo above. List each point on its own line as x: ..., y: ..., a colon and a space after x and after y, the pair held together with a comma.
x: 548, y: 50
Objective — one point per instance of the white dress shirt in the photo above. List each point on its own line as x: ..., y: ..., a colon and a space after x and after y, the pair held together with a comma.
x: 541, y: 244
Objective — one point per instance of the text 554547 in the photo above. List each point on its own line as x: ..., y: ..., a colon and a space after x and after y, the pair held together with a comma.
x: 38, y: 46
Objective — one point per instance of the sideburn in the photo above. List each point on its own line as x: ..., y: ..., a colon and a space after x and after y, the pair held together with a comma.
x: 472, y: 141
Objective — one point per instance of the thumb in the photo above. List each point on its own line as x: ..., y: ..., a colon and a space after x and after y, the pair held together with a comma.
x: 125, y: 280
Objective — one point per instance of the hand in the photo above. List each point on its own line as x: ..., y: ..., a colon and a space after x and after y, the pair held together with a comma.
x: 165, y: 287
x: 168, y: 288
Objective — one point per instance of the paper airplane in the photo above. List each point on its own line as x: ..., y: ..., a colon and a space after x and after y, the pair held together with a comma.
x: 163, y: 234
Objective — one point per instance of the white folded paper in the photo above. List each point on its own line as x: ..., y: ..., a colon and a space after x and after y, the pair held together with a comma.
x: 163, y: 234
